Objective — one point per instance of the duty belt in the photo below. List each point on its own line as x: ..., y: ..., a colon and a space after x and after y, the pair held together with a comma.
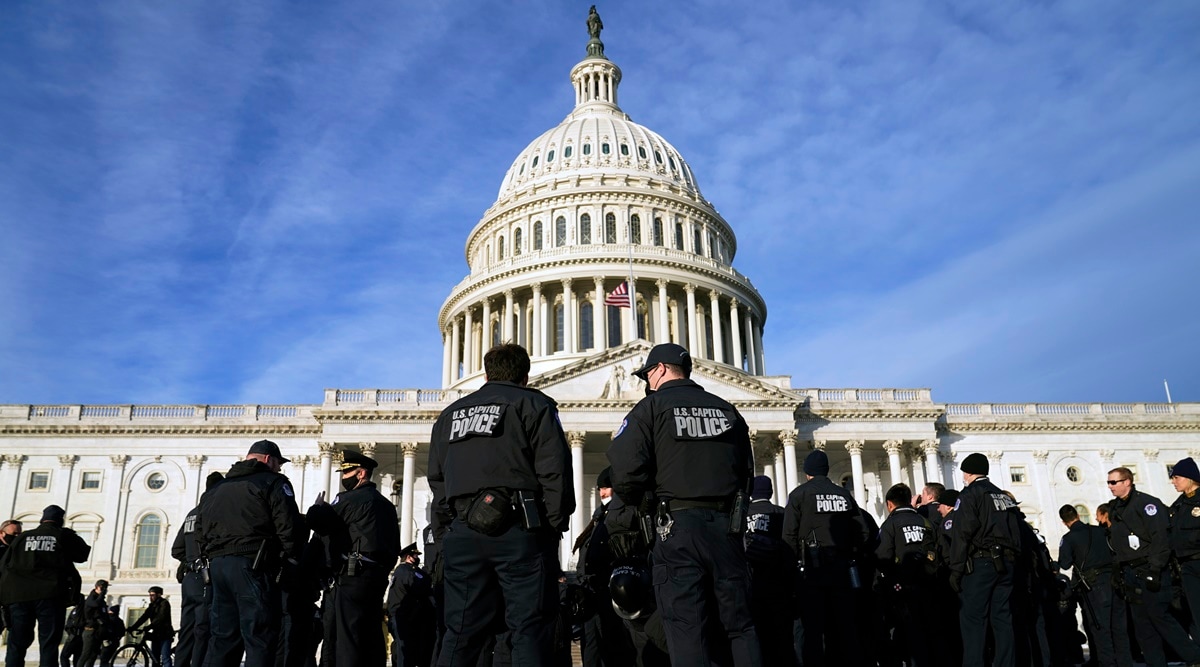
x: 721, y: 505
x: 987, y: 553
x: 1135, y: 563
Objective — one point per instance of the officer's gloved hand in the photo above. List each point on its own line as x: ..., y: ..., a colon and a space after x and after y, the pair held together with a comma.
x: 956, y: 578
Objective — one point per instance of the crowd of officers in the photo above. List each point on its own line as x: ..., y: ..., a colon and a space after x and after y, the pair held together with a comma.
x: 685, y: 562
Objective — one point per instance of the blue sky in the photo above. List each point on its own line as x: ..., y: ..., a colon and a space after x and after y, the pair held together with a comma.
x: 252, y: 201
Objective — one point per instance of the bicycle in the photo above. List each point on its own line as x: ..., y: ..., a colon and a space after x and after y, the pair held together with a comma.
x: 135, y: 653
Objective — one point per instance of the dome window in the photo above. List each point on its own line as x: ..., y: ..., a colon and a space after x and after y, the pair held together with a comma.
x: 535, y: 161
x: 669, y: 159
x: 658, y: 157
x: 635, y: 229
x: 610, y: 228
x: 605, y: 148
x: 567, y: 152
x: 500, y: 247
x: 658, y: 232
x: 560, y: 232
x: 642, y: 152
x: 550, y: 156
x: 587, y: 149
x: 537, y: 235
x: 625, y: 150
x: 679, y: 236
x: 522, y: 170
x: 585, y: 228
x: 517, y: 242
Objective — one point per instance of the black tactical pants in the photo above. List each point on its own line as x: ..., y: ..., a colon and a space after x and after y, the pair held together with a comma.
x: 1152, y: 620
x: 354, y: 619
x: 986, y: 600
x: 700, y: 572
x: 1190, y: 582
x: 828, y: 632
x: 245, y: 615
x: 48, y: 616
x: 193, y: 623
x: 516, y: 567
x: 1098, y: 614
x: 71, y: 650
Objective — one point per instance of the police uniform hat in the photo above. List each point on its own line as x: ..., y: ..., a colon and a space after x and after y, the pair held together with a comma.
x: 762, y: 488
x: 1186, y: 468
x: 975, y: 464
x: 410, y: 550
x: 604, y: 479
x: 816, y: 463
x: 156, y: 589
x: 267, y: 447
x: 115, y: 608
x: 352, y: 460
x: 54, y: 513
x: 667, y: 353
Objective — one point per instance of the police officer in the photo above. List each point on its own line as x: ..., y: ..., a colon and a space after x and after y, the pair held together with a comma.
x: 249, y: 528
x: 827, y: 533
x: 605, y: 639
x: 94, y: 619
x: 363, y: 539
x: 905, y: 556
x: 38, y: 580
x: 1185, y: 534
x: 986, y: 538
x: 410, y: 611
x: 500, y: 471
x: 1140, y: 541
x: 772, y: 574
x: 947, y: 650
x: 691, y: 450
x: 1084, y: 550
x: 193, y: 612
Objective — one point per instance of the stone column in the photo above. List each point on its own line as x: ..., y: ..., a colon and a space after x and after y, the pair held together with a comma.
x: 196, y: 463
x: 507, y: 329
x: 1049, y: 524
x: 855, y: 447
x: 326, y: 449
x: 11, y: 479
x: 301, y: 464
x: 539, y: 325
x: 751, y: 356
x: 715, y: 316
x: 930, y: 448
x: 791, y: 473
x: 693, y: 335
x: 485, y: 338
x: 112, y: 511
x: 664, y: 334
x: 893, y: 447
x: 599, y: 318
x: 455, y: 348
x: 67, y: 463
x: 918, y: 469
x: 409, y: 449
x: 780, y: 478
x: 735, y: 333
x: 571, y: 315
x: 577, y: 439
x: 468, y: 342
x: 761, y: 365
x: 447, y: 357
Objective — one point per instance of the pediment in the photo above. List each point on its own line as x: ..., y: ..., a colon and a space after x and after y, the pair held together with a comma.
x: 608, y: 376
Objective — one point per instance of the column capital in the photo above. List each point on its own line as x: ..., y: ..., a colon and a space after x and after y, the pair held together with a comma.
x: 508, y: 294
x: 1150, y: 454
x: 929, y: 446
x: 1108, y: 454
x: 893, y: 447
x: 855, y: 447
x: 1194, y: 453
x: 409, y: 449
x: 753, y: 437
x: 537, y: 288
x: 1041, y: 455
x: 197, y: 460
x: 689, y: 288
x: 367, y: 449
x: 819, y: 444
x: 17, y: 459
x: 326, y: 448
x: 67, y: 460
x: 567, y: 282
x: 661, y: 283
x: 734, y: 303
x: 787, y: 437
x: 119, y: 460
x: 300, y: 462
x: 576, y: 438
x: 948, y: 457
x: 995, y: 455
x: 714, y: 294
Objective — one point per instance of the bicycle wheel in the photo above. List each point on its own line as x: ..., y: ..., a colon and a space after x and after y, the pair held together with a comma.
x: 132, y: 655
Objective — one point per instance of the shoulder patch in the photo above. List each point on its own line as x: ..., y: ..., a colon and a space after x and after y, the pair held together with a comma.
x: 948, y: 525
x: 957, y: 503
x: 1151, y: 510
x: 1196, y: 511
x: 287, y: 490
x: 621, y: 428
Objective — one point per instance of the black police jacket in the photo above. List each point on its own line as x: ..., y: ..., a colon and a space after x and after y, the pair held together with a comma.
x: 765, y: 548
x: 40, y: 565
x: 501, y: 436
x: 822, y: 514
x: 359, y: 521
x: 1185, y: 526
x: 1084, y: 549
x: 944, y: 529
x: 410, y: 596
x: 157, y: 619
x: 185, y: 549
x: 983, y: 517
x: 95, y: 611
x: 681, y: 442
x: 250, y: 505
x: 906, y: 540
x: 1140, y: 529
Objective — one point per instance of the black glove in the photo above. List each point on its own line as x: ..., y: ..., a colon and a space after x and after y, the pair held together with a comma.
x: 956, y: 578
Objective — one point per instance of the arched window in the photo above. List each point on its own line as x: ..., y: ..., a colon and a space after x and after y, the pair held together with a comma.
x: 605, y: 148
x: 560, y: 232
x: 658, y: 232
x: 587, y: 149
x: 585, y: 229
x: 550, y: 156
x: 1084, y: 515
x: 495, y: 333
x: 642, y: 152
x: 614, y: 325
x: 679, y: 236
x: 517, y: 242
x: 641, y: 321
x: 697, y: 242
x: 625, y: 150
x: 148, y: 537
x: 537, y: 235
x: 585, y: 325
x: 635, y: 229
x: 712, y: 246
x: 500, y: 248
x: 558, y: 327
x: 566, y: 151
x: 610, y: 228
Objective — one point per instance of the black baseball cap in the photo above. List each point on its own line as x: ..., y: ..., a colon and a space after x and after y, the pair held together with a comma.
x: 666, y: 353
x: 267, y: 447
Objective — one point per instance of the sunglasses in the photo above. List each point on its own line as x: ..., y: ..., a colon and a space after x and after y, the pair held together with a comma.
x: 1114, y: 482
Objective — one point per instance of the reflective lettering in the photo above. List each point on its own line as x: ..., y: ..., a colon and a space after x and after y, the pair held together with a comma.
x: 475, y: 420
x: 914, y: 534
x: 832, y: 503
x: 700, y: 423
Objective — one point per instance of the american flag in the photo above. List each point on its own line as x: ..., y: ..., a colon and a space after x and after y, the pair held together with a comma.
x: 618, y: 297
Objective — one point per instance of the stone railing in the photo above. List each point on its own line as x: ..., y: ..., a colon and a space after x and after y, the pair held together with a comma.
x: 1067, y: 409
x: 354, y: 398
x: 868, y: 395
x: 231, y: 413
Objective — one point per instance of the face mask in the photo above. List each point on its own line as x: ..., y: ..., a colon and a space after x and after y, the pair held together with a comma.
x: 348, y: 483
x: 648, y: 389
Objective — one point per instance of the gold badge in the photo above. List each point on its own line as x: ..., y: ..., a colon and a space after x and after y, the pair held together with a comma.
x: 1196, y: 512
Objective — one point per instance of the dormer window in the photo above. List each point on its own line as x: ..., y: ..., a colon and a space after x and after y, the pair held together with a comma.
x: 550, y: 156
x: 642, y: 152
x: 625, y: 150
x: 605, y: 149
x: 587, y: 149
x: 535, y: 160
x: 567, y: 152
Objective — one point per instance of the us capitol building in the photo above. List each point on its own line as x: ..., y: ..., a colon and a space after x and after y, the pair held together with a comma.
x: 589, y: 203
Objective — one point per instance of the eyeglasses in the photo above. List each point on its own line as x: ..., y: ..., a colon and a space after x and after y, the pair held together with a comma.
x: 1114, y: 482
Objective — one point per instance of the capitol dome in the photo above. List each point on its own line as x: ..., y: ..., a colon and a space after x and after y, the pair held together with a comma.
x: 593, y: 206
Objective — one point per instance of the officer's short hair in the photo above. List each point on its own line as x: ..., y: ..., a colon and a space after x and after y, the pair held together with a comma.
x: 1124, y: 472
x: 677, y: 369
x: 1068, y: 513
x: 935, y: 489
x: 506, y: 363
x: 10, y: 522
x: 899, y: 495
x: 1102, y: 508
